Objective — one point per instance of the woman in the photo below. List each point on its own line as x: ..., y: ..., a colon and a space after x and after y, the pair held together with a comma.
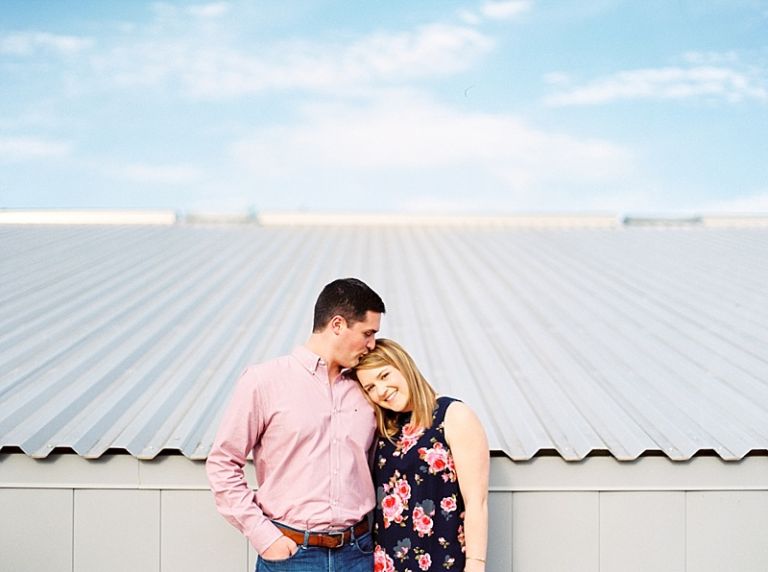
x: 430, y: 470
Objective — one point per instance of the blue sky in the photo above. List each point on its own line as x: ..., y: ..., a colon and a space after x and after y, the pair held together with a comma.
x: 510, y: 106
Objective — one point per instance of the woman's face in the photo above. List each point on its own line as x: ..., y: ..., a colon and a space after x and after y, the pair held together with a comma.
x: 386, y: 387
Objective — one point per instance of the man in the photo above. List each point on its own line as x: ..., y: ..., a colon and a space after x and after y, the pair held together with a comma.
x: 310, y: 429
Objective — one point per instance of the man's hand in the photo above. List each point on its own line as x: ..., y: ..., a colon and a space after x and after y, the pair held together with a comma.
x: 281, y: 549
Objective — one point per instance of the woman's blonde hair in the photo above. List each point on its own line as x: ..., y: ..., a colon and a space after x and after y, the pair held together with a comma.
x: 423, y: 397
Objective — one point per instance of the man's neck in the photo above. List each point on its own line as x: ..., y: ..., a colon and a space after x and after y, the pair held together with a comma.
x: 319, y: 346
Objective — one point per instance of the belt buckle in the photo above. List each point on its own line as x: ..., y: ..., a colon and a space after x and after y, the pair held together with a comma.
x: 340, y: 534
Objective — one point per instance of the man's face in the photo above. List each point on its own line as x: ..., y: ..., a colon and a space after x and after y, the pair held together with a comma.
x: 358, y: 339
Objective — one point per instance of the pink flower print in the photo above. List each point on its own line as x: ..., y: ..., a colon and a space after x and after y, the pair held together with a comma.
x: 410, y: 431
x: 448, y: 504
x: 423, y: 525
x: 418, y: 512
x: 403, y: 490
x: 425, y: 561
x: 392, y: 507
x: 382, y: 562
x: 436, y: 458
x: 405, y: 444
x: 409, y: 437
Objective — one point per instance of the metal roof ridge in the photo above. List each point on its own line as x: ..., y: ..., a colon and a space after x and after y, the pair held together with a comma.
x: 298, y: 218
x: 88, y: 216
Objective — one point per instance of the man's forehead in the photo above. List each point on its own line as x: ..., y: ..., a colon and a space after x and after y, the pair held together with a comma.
x: 372, y: 320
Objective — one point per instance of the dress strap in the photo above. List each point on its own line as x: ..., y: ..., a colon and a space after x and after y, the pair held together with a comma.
x: 442, y: 406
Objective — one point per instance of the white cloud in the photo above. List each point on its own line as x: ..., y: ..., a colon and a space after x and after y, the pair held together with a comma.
x: 505, y: 10
x: 557, y: 78
x: 25, y: 148
x: 711, y: 58
x: 469, y: 17
x: 212, y: 10
x: 218, y: 71
x: 163, y: 174
x: 407, y: 133
x: 187, y: 50
x: 494, y: 10
x: 27, y: 43
x: 665, y: 83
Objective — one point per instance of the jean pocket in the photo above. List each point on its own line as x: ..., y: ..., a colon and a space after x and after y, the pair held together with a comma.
x: 364, y: 543
x: 292, y: 557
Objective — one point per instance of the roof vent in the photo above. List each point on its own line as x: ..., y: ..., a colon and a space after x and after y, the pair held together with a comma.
x: 661, y: 221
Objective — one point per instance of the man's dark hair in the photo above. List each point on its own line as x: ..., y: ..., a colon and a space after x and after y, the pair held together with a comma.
x: 349, y: 298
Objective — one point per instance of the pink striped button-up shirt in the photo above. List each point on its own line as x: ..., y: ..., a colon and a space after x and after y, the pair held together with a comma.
x: 310, y: 441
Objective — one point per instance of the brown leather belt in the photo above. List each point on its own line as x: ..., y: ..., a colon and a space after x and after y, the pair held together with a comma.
x: 328, y: 539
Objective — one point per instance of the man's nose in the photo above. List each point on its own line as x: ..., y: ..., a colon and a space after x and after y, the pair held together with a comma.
x: 371, y: 344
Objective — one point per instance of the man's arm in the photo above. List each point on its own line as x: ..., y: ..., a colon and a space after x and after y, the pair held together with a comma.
x: 240, y: 430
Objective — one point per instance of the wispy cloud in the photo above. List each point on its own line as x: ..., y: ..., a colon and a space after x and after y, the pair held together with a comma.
x: 220, y: 71
x: 666, y: 83
x: 212, y: 10
x: 24, y: 148
x: 28, y: 43
x: 504, y: 10
x: 711, y: 58
x: 408, y: 132
x: 490, y: 11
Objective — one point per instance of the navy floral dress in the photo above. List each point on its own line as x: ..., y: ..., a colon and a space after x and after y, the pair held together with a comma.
x: 419, y: 521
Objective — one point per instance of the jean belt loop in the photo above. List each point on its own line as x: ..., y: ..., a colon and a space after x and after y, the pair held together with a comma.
x: 306, y: 539
x: 352, y: 537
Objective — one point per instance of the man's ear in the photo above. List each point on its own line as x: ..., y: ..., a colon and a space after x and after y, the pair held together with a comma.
x: 337, y: 324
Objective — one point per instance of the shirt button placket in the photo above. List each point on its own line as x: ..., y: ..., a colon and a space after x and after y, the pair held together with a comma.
x: 334, y: 456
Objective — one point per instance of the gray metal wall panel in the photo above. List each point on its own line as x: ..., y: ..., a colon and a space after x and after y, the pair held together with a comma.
x: 642, y: 531
x: 499, y: 532
x: 195, y: 537
x: 570, y: 531
x: 651, y: 473
x: 69, y: 471
x: 555, y: 532
x: 727, y: 531
x: 35, y: 530
x: 117, y: 530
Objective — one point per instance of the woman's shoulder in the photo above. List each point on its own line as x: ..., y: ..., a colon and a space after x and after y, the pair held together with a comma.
x: 446, y: 400
x: 462, y: 422
x: 447, y: 407
x: 455, y: 410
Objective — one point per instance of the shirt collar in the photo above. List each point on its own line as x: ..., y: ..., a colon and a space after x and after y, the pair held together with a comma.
x: 308, y: 359
x: 311, y: 361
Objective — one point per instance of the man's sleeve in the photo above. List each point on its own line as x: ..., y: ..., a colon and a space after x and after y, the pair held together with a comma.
x: 240, y: 430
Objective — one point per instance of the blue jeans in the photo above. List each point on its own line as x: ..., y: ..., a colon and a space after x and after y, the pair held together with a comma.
x: 357, y: 556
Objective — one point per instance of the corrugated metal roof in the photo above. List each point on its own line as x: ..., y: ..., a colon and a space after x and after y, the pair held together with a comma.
x: 625, y: 340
